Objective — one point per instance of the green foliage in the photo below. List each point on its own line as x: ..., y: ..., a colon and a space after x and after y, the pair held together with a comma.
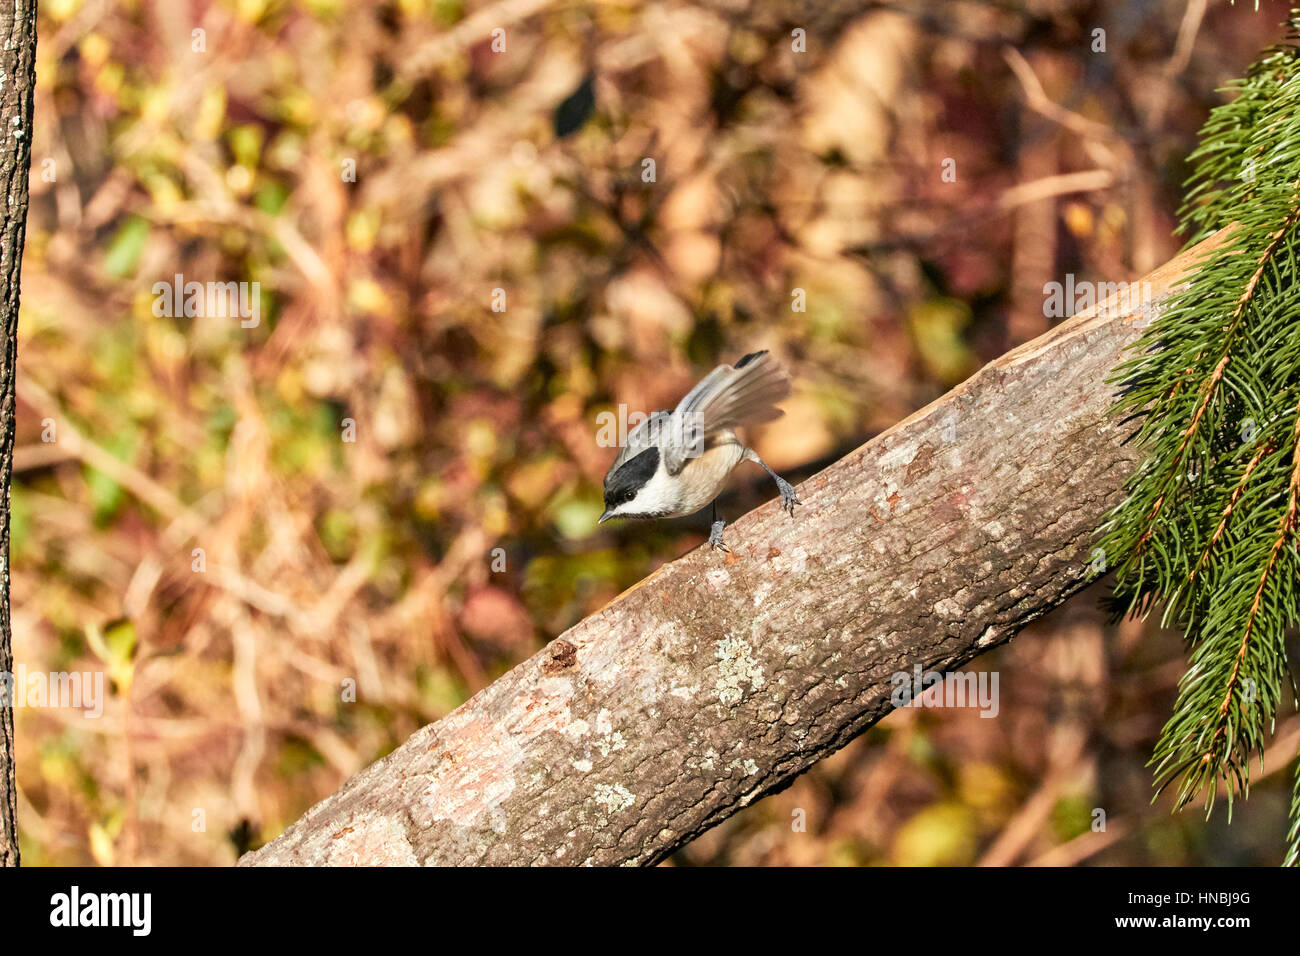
x: 106, y: 495
x: 124, y: 251
x: 1212, y: 517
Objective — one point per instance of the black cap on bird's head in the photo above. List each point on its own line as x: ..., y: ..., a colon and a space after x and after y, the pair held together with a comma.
x: 623, y: 482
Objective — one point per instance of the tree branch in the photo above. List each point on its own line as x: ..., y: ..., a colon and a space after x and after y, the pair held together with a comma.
x: 17, y: 86
x: 718, y: 679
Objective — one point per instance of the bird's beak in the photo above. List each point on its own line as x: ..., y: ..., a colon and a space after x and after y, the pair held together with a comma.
x: 605, y: 517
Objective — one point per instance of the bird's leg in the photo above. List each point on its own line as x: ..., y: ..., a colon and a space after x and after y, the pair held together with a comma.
x: 715, y: 532
x: 788, y: 497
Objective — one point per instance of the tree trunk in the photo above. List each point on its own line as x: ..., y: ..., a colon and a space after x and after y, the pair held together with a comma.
x: 719, y: 678
x: 17, y: 85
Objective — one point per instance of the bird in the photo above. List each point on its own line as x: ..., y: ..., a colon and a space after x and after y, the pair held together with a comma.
x: 674, y: 463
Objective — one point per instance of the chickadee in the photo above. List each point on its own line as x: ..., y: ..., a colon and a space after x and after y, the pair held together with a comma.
x: 674, y: 463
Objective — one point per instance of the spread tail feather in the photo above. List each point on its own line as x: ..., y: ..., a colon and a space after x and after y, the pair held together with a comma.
x: 745, y: 394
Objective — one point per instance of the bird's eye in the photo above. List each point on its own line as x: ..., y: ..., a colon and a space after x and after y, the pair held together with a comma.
x: 628, y: 496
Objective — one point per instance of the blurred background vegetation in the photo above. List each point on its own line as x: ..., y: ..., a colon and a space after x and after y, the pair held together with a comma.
x: 379, y: 169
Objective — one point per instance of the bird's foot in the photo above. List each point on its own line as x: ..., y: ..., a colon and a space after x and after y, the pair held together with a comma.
x: 788, y: 498
x: 715, y: 536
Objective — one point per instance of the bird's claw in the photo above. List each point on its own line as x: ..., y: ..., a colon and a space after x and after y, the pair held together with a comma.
x: 788, y: 498
x: 715, y: 536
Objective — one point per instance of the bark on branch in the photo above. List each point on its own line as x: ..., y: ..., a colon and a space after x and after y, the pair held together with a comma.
x: 718, y: 679
x: 17, y: 86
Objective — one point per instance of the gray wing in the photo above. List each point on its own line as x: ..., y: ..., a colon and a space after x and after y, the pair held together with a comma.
x: 640, y: 438
x: 726, y: 397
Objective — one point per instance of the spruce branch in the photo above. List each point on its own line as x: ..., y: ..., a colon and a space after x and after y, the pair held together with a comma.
x: 1227, y: 511
x: 1210, y: 523
x: 1293, y: 837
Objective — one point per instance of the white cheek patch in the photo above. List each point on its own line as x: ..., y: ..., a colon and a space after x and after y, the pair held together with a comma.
x: 660, y: 493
